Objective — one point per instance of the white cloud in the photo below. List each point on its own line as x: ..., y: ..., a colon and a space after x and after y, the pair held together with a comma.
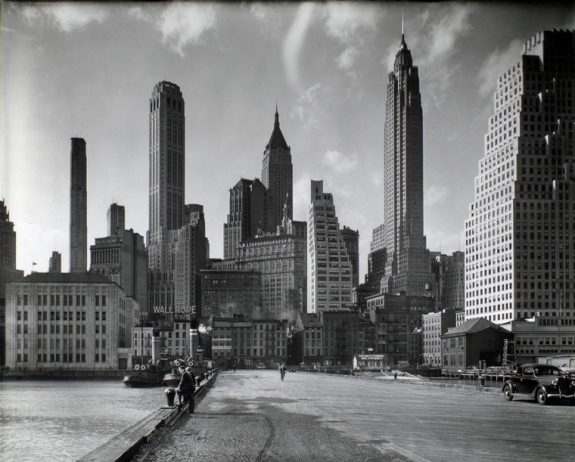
x: 138, y: 13
x: 307, y: 109
x: 445, y: 33
x: 436, y: 194
x: 494, y: 64
x: 260, y: 10
x: 346, y: 21
x: 339, y: 162
x: 346, y: 60
x: 294, y: 41
x: 268, y: 17
x: 182, y: 24
x: 66, y: 16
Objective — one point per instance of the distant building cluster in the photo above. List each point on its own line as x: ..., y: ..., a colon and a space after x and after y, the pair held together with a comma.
x: 289, y: 291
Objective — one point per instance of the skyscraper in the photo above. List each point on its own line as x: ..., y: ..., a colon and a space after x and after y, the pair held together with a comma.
x: 520, y: 234
x: 277, y: 175
x: 167, y: 161
x: 407, y: 267
x: 55, y: 263
x: 7, y: 241
x: 248, y: 213
x: 116, y: 219
x: 191, y: 257
x: 78, y: 208
x: 330, y: 271
x: 351, y: 240
x: 167, y: 189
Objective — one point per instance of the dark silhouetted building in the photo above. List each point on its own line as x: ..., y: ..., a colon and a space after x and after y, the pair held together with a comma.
x: 78, y: 208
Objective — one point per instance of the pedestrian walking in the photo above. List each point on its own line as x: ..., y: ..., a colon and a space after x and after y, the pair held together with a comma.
x: 282, y: 372
x: 234, y: 368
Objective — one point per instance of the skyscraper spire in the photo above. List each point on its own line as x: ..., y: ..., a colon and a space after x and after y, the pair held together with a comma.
x: 277, y: 122
x: 403, y: 44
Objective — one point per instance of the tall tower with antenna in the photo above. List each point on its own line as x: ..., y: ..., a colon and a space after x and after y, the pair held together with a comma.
x: 407, y: 267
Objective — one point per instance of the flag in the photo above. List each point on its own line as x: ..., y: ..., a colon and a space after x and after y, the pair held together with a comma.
x: 33, y: 263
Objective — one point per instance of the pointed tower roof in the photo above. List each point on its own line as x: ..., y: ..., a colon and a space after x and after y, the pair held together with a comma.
x: 403, y: 55
x: 277, y: 139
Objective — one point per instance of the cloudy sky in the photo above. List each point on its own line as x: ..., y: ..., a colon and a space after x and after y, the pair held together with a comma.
x: 88, y: 70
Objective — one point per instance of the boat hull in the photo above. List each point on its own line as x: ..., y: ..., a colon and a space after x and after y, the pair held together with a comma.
x: 143, y: 381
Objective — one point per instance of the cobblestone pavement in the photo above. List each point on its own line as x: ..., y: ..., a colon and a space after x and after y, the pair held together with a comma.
x: 253, y: 416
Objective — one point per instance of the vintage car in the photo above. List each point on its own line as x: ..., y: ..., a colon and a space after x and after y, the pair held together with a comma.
x: 541, y: 382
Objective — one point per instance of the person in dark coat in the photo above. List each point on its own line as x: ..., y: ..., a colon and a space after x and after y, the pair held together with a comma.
x: 186, y: 389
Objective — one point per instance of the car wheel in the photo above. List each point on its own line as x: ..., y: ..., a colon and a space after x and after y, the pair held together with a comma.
x: 507, y: 392
x: 541, y: 396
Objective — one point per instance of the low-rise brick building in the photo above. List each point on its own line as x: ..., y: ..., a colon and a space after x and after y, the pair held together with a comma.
x: 248, y: 343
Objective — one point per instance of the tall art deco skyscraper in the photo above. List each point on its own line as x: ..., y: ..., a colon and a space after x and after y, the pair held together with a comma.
x: 277, y: 176
x: 520, y: 234
x: 78, y: 208
x: 407, y: 267
x: 167, y: 187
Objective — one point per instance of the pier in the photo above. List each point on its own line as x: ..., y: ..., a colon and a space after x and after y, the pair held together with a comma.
x: 253, y: 415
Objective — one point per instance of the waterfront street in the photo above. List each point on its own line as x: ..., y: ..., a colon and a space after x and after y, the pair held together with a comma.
x: 252, y: 415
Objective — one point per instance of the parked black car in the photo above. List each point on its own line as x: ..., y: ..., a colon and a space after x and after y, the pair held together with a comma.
x: 541, y: 382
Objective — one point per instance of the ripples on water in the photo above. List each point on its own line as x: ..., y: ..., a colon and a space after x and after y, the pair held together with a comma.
x: 64, y: 420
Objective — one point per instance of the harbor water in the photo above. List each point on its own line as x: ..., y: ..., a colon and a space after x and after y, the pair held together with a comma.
x: 64, y: 420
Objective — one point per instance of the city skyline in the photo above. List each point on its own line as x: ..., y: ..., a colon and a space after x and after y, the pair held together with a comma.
x: 324, y: 65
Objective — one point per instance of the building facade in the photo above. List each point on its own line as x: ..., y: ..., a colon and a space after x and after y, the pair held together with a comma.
x: 351, y: 241
x: 249, y: 208
x: 434, y: 326
x: 123, y: 259
x: 78, y: 207
x: 521, y: 227
x: 543, y: 336
x: 55, y: 263
x: 7, y: 240
x: 191, y: 254
x: 407, y: 267
x: 329, y: 267
x: 281, y: 260
x: 448, y: 286
x: 308, y: 339
x: 476, y: 341
x: 249, y: 344
x: 8, y: 271
x: 396, y: 319
x: 340, y: 337
x: 68, y: 321
x: 226, y: 293
x: 116, y: 219
x: 171, y: 343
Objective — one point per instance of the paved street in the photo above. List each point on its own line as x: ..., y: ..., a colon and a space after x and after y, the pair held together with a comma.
x: 253, y: 416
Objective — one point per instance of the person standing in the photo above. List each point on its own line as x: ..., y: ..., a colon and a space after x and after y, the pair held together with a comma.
x: 186, y: 389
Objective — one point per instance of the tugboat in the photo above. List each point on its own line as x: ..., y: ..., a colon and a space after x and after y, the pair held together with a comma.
x: 145, y: 376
